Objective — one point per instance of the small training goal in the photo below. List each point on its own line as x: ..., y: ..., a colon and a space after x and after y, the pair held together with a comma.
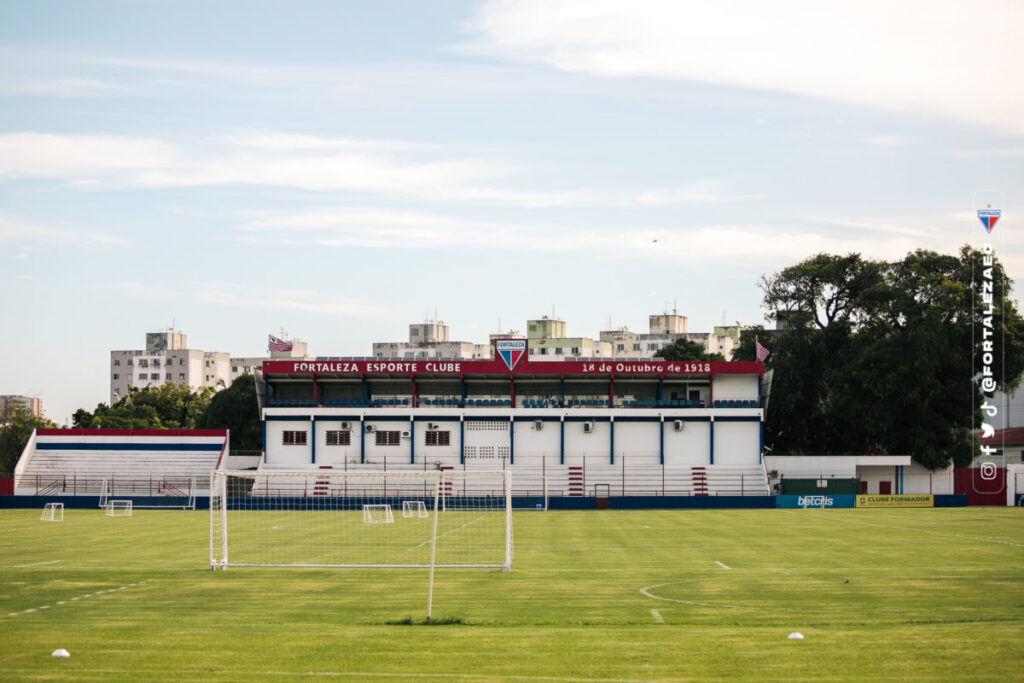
x: 378, y: 514
x: 53, y: 512
x: 414, y: 509
x: 119, y: 508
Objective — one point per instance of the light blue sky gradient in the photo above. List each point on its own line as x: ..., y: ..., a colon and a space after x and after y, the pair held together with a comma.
x: 342, y: 169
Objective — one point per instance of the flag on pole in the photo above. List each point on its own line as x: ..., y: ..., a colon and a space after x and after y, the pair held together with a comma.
x: 762, y: 352
x: 276, y: 344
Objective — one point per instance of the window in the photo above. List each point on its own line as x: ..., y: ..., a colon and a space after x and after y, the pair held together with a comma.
x: 234, y: 368
x: 559, y: 351
x: 575, y: 350
x: 620, y: 347
x: 116, y: 376
x: 167, y: 377
x: 337, y: 437
x: 636, y: 347
x: 293, y: 438
x: 156, y: 362
x: 544, y: 351
x: 387, y: 438
x: 129, y: 361
x: 143, y: 363
x: 181, y: 376
x: 652, y: 347
x: 436, y: 438
x: 181, y: 361
x: 117, y: 361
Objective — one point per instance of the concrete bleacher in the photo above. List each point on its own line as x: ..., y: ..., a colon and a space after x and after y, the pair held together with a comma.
x: 125, y: 462
x: 613, y: 480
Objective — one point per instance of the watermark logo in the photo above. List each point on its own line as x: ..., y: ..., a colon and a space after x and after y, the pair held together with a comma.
x: 988, y: 217
x: 988, y: 205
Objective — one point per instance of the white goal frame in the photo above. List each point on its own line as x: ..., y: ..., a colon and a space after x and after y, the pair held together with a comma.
x: 315, y: 518
x: 414, y: 509
x: 378, y: 514
x: 119, y: 508
x: 52, y: 512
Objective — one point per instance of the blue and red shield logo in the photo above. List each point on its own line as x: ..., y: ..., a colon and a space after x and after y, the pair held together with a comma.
x: 988, y: 218
x: 510, y: 350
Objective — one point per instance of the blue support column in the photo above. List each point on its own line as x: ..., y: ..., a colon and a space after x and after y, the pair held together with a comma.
x: 264, y: 439
x: 511, y: 440
x: 462, y: 442
x: 412, y: 439
x: 611, y: 444
x: 561, y: 442
x: 661, y: 390
x: 462, y: 381
x: 661, y: 441
x: 312, y: 440
x: 362, y: 441
x: 366, y: 394
x: 711, y: 426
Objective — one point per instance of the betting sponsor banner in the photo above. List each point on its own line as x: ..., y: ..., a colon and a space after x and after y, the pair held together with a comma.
x: 815, y: 500
x: 896, y: 501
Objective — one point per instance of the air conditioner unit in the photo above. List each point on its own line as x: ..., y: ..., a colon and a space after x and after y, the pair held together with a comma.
x: 538, y: 425
x: 677, y: 425
x: 346, y: 425
x: 431, y: 425
x: 588, y: 427
x: 370, y: 428
x: 406, y: 434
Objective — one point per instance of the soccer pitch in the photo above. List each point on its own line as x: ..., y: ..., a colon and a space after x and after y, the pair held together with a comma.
x: 592, y: 596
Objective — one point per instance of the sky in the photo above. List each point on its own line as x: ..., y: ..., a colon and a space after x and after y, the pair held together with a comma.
x: 338, y: 170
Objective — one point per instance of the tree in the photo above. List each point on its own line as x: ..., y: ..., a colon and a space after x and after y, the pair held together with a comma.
x: 168, y: 406
x: 236, y: 409
x: 16, y: 425
x: 877, y: 357
x: 683, y: 349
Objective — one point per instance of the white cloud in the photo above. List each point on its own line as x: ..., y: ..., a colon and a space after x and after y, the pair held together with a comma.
x: 76, y: 157
x: 889, y: 140
x: 946, y: 59
x: 249, y: 296
x: 17, y: 231
x: 701, y: 192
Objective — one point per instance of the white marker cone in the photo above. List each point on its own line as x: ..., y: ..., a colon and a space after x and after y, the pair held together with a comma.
x: 60, y: 653
x: 795, y: 635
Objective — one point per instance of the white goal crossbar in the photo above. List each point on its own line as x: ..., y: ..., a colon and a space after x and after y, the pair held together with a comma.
x: 329, y: 518
x: 119, y: 508
x: 52, y: 512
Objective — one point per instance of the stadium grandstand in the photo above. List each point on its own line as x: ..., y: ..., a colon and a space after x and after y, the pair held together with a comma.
x: 588, y: 427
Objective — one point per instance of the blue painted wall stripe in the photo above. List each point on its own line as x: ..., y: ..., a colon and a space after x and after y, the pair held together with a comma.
x: 128, y: 446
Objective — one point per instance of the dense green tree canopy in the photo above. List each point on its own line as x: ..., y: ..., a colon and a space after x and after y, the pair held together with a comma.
x: 16, y: 426
x: 236, y: 409
x: 683, y: 349
x: 168, y: 406
x: 883, y: 357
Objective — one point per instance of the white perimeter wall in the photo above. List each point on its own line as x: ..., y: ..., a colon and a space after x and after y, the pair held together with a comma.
x: 734, y: 387
x: 737, y: 443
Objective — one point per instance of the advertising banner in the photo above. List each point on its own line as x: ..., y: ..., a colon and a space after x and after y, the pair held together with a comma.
x: 903, y: 501
x: 823, y: 500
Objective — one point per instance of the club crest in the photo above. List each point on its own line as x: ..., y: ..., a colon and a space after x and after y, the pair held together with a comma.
x: 510, y: 351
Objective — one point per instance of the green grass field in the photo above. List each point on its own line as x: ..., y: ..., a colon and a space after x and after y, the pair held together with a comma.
x: 592, y: 596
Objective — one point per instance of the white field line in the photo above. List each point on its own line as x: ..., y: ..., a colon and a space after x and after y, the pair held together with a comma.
x: 34, y: 564
x: 450, y: 531
x: 910, y: 528
x: 202, y: 673
x: 647, y: 591
x: 722, y: 565
x: 81, y: 597
x: 658, y: 619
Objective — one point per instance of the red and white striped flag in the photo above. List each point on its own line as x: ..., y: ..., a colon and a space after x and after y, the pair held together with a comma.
x: 276, y: 344
x: 762, y: 351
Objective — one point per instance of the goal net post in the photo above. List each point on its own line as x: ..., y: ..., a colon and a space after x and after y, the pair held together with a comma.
x: 327, y: 518
x: 52, y: 512
x: 119, y: 508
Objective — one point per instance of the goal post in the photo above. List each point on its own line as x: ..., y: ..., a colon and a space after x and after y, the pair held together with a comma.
x: 119, y: 508
x: 328, y: 518
x: 52, y: 512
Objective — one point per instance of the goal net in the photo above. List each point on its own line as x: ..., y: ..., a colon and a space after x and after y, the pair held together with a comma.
x: 119, y: 508
x: 331, y: 518
x: 53, y: 512
x: 414, y: 508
